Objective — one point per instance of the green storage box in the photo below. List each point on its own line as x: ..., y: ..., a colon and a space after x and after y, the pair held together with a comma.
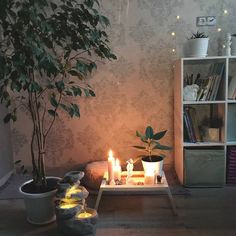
x: 204, y: 168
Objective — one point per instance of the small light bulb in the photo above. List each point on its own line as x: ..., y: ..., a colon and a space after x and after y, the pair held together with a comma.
x: 219, y: 29
x: 223, y: 46
x: 177, y: 17
x: 173, y: 34
x: 173, y: 50
x: 225, y: 12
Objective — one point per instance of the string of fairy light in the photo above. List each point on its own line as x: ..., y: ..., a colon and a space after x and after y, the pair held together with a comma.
x: 225, y: 13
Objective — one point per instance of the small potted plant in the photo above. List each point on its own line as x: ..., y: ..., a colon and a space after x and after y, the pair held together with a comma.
x: 198, y: 45
x: 152, y: 159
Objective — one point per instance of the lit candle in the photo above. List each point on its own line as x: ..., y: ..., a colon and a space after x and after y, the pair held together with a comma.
x: 68, y: 205
x: 149, y: 177
x: 83, y: 215
x: 73, y: 190
x: 111, y: 165
x: 117, y: 170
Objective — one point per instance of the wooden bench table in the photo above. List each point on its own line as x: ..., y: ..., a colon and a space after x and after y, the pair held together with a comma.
x: 137, y: 186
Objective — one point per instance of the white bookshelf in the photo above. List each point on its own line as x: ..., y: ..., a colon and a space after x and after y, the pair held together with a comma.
x: 222, y: 106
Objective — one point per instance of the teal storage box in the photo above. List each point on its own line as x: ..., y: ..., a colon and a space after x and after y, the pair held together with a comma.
x: 204, y: 168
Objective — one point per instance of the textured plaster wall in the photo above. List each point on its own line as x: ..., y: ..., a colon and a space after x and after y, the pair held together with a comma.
x: 135, y: 90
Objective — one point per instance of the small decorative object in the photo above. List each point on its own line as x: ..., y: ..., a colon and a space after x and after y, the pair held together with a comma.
x: 213, y: 134
x: 73, y: 216
x: 228, y: 43
x: 233, y: 45
x: 198, y: 45
x: 111, y: 166
x: 210, y: 129
x: 129, y: 167
x: 190, y: 92
x: 152, y: 160
x: 117, y: 170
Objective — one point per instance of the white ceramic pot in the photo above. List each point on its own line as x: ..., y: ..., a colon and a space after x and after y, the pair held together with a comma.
x: 154, y: 166
x: 233, y: 46
x: 40, y: 207
x: 198, y: 47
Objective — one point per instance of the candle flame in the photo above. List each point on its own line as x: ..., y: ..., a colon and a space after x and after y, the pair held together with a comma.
x: 110, y: 154
x: 117, y: 162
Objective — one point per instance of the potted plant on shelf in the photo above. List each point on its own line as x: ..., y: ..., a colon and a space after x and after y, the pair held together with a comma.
x: 152, y: 159
x: 198, y: 45
x: 47, y: 49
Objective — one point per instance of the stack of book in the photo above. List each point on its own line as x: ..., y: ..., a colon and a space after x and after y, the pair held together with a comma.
x: 231, y: 165
x: 191, y: 125
x: 208, y: 87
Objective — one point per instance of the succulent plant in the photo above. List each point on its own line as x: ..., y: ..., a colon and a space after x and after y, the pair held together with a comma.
x: 198, y: 35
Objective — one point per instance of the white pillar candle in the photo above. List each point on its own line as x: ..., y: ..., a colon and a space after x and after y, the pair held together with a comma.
x: 117, y: 170
x: 111, y: 166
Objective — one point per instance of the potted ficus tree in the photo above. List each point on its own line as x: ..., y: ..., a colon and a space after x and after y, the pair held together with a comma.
x: 152, y: 159
x: 47, y: 49
x: 198, y: 45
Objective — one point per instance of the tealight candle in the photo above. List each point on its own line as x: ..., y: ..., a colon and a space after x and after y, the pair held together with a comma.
x: 68, y: 205
x: 149, y: 178
x: 117, y: 170
x: 83, y: 215
x: 111, y: 165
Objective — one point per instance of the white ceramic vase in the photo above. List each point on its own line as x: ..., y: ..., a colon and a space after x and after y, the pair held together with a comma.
x: 198, y: 47
x: 39, y: 206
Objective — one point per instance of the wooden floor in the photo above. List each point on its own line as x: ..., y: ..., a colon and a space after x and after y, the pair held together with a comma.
x: 206, y: 212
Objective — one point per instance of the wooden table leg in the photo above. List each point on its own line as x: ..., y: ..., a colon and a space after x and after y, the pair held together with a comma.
x: 98, y: 199
x: 172, y: 201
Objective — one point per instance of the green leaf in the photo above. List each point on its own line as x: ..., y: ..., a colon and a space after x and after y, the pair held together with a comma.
x: 7, y: 118
x: 91, y: 92
x: 52, y: 113
x: 149, y: 132
x: 161, y: 147
x: 60, y: 85
x: 17, y: 162
x: 53, y: 101
x: 139, y: 147
x: 159, y: 135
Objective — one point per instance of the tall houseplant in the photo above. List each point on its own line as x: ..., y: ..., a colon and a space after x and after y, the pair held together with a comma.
x: 47, y: 49
x: 152, y: 159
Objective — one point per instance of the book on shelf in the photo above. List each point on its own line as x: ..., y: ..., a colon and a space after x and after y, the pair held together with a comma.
x: 191, y: 125
x: 232, y: 88
x: 209, y: 87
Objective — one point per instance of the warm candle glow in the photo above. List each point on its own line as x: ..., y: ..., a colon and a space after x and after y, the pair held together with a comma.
x: 83, y: 215
x: 111, y: 166
x: 73, y: 190
x: 173, y: 34
x: 117, y: 162
x: 68, y: 206
x: 110, y: 154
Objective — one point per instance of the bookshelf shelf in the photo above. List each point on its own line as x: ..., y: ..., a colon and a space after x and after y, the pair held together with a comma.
x: 202, y: 102
x: 207, y: 125
x: 203, y: 144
